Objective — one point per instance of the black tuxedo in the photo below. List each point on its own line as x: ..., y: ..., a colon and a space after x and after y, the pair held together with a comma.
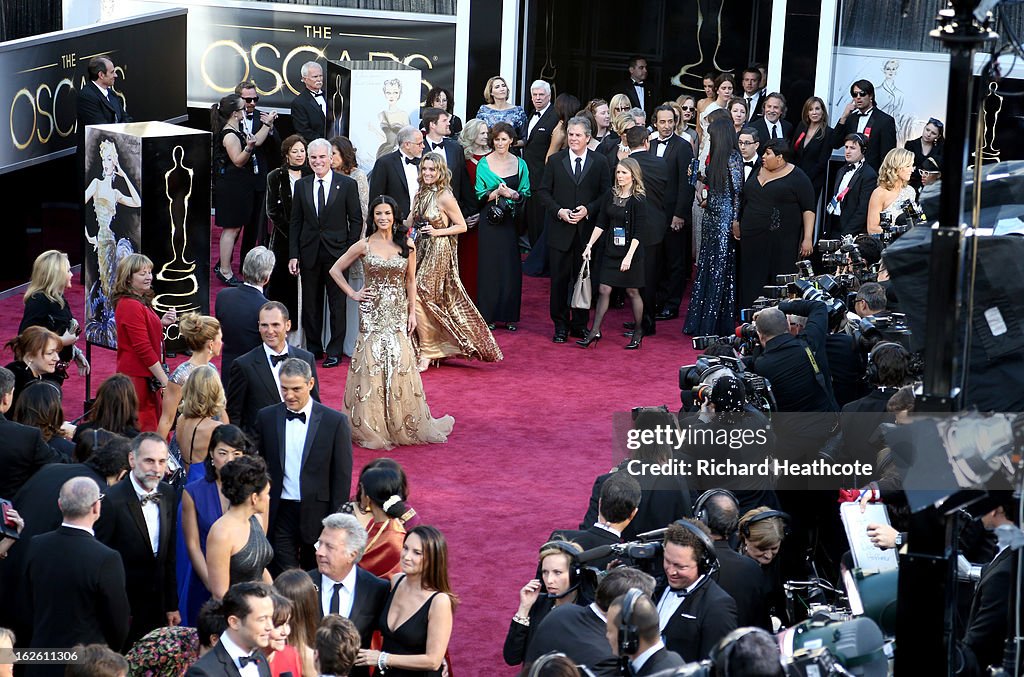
x: 753, y: 170
x: 324, y: 481
x: 677, y: 244
x: 651, y: 99
x: 985, y: 632
x: 663, y: 500
x: 252, y: 387
x: 238, y: 311
x: 96, y: 109
x: 560, y: 190
x: 743, y: 580
x: 76, y: 591
x: 453, y: 153
x: 308, y: 118
x: 764, y: 136
x: 757, y: 109
x: 535, y: 150
x: 579, y: 633
x: 217, y: 663
x: 317, y: 240
x: 854, y: 217
x: 705, y: 616
x: 371, y: 595
x: 22, y: 454
x: 662, y: 659
x: 881, y: 138
x: 587, y: 539
x: 388, y: 178
x: 149, y: 579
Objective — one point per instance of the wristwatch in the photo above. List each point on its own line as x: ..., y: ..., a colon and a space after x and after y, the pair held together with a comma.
x: 900, y: 539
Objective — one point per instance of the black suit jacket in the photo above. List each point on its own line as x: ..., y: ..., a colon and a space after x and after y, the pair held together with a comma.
x: 678, y: 190
x: 655, y: 173
x: 854, y: 218
x: 743, y: 580
x: 238, y: 311
x: 464, y: 193
x: 76, y: 591
x: 881, y: 139
x: 326, y: 475
x: 588, y: 539
x: 763, y: 134
x: 579, y: 633
x: 986, y: 626
x: 149, y: 579
x: 22, y: 454
x: 308, y: 118
x: 388, y: 178
x: 701, y: 621
x: 651, y: 99
x: 559, y: 190
x: 371, y: 595
x: 217, y: 663
x: 267, y: 155
x: 535, y: 146
x: 812, y: 155
x: 662, y: 659
x: 96, y: 109
x: 252, y: 387
x: 663, y: 500
x: 335, y: 229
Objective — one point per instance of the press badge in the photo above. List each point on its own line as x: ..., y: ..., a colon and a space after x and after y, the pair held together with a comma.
x: 619, y: 237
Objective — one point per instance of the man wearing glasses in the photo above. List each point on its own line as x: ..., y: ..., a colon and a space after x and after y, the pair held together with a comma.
x: 862, y: 117
x: 263, y: 161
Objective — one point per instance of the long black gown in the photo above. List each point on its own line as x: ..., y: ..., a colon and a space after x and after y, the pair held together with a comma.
x: 499, y: 269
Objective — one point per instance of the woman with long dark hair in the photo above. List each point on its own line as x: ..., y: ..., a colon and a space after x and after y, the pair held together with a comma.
x: 813, y: 142
x: 380, y: 495
x: 40, y: 407
x: 284, y: 286
x: 927, y: 150
x: 566, y: 106
x: 383, y: 392
x: 116, y: 408
x: 712, y: 308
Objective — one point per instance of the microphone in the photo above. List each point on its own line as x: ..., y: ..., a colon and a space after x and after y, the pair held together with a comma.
x: 599, y: 552
x: 550, y: 596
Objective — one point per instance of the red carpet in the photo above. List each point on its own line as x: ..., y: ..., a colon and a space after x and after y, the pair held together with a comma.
x: 531, y: 433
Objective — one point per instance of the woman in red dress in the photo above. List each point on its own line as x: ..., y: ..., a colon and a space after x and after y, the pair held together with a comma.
x: 476, y: 142
x: 139, y: 335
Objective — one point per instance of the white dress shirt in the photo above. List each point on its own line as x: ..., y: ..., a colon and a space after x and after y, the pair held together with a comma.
x: 346, y: 594
x: 638, y: 87
x: 618, y: 534
x: 80, y: 528
x: 752, y: 100
x: 275, y: 369
x: 572, y: 162
x: 412, y: 177
x: 150, y: 511
x: 862, y: 120
x: 662, y: 146
x: 294, y: 442
x: 316, y: 190
x: 844, y: 184
x: 103, y: 90
x: 535, y: 119
x: 236, y: 652
x: 321, y: 100
x: 777, y: 125
x: 670, y: 603
x: 638, y: 662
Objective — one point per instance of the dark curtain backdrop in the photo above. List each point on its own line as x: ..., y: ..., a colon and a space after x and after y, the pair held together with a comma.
x: 24, y: 18
x: 426, y: 6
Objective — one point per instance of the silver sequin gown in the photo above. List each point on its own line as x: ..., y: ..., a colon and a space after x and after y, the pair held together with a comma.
x: 384, y: 395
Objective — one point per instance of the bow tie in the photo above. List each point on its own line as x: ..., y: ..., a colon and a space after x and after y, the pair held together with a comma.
x: 245, y: 660
x: 317, y: 95
x: 290, y: 415
x: 536, y: 113
x: 437, y: 146
x: 412, y: 161
x: 749, y: 164
x: 850, y: 166
x: 250, y: 116
x: 637, y: 84
x: 679, y: 593
x: 151, y: 498
x: 277, y: 359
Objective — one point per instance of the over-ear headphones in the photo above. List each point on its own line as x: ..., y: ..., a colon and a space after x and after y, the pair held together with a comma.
x: 575, y: 569
x: 767, y: 514
x: 722, y: 652
x: 707, y: 564
x: 699, y: 513
x: 871, y: 373
x: 541, y: 662
x: 629, y: 634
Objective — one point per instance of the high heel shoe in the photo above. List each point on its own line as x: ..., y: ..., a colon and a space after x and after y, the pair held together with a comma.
x: 591, y: 339
x: 634, y: 344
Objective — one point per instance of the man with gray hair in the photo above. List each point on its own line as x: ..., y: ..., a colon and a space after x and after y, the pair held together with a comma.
x: 238, y: 308
x: 311, y: 111
x: 535, y: 150
x: 345, y: 588
x: 397, y: 174
x: 326, y: 220
x: 75, y: 585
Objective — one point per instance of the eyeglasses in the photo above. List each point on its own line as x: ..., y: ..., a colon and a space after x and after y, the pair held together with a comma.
x: 98, y: 499
x: 747, y: 143
x: 690, y: 108
x: 250, y: 99
x: 619, y: 109
x: 857, y: 95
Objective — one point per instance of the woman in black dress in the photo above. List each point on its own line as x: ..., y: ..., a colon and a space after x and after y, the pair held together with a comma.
x: 45, y: 306
x: 622, y: 265
x: 284, y: 286
x: 416, y: 621
x: 927, y: 150
x: 776, y: 222
x: 813, y: 145
x: 35, y: 358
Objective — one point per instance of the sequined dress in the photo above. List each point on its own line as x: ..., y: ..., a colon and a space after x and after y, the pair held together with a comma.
x: 447, y: 322
x: 384, y: 395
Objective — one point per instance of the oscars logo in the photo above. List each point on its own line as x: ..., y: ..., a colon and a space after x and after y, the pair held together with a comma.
x: 178, y: 275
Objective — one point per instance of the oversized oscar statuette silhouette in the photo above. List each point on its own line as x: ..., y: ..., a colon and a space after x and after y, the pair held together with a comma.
x: 178, y: 279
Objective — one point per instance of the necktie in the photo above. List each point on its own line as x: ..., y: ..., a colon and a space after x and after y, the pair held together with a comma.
x: 412, y: 161
x: 579, y: 169
x: 245, y: 660
x: 335, y: 599
x: 277, y: 359
x: 290, y: 415
x: 153, y: 498
x: 775, y: 131
x: 321, y: 198
x: 750, y: 102
x: 112, y: 98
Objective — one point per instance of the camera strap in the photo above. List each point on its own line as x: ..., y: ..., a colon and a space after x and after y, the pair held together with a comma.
x: 817, y: 372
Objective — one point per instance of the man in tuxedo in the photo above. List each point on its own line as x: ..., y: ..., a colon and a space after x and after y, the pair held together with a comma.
x: 397, y: 173
x: 255, y: 382
x: 580, y: 632
x: 238, y: 308
x: 336, y: 647
x: 75, y: 584
x: 751, y: 83
x: 749, y: 141
x: 678, y: 242
x: 655, y: 173
x: 347, y: 589
x: 139, y: 523
x: 855, y: 182
x: 694, y: 612
x: 771, y: 125
x: 265, y: 158
x: 650, y: 655
x: 642, y: 94
x: 23, y: 452
x: 249, y: 609
x: 535, y: 150
x: 308, y: 449
x: 861, y: 116
x: 311, y: 112
x: 436, y: 126
x: 98, y: 102
x: 620, y: 496
x: 326, y: 220
x: 574, y: 184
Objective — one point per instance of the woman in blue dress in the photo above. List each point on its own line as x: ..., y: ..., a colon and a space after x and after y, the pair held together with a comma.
x: 712, y: 309
x: 498, y: 107
x: 202, y: 504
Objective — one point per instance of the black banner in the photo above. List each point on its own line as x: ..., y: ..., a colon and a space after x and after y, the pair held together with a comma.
x: 41, y: 76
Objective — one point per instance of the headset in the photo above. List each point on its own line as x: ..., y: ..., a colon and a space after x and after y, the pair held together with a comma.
x: 722, y: 651
x: 541, y: 662
x: 629, y: 634
x: 698, y: 508
x: 871, y: 373
x: 575, y: 570
x: 707, y: 564
x: 767, y: 514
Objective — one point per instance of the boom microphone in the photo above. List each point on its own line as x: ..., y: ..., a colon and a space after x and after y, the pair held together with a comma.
x: 599, y: 552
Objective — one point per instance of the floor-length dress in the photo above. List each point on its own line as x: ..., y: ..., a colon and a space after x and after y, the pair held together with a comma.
x: 712, y: 309
x: 191, y: 591
x: 468, y: 240
x: 500, y: 272
x: 447, y: 322
x: 384, y: 396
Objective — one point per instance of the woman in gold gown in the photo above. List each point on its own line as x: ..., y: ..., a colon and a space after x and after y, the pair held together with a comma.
x: 384, y: 395
x: 447, y: 322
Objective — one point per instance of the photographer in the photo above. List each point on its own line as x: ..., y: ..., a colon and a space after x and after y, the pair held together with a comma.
x: 845, y: 363
x: 871, y: 301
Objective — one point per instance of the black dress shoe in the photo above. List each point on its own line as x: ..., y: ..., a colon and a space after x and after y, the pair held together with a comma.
x: 667, y: 315
x: 511, y: 326
x: 331, y: 362
x: 560, y: 337
x: 629, y: 325
x: 578, y: 333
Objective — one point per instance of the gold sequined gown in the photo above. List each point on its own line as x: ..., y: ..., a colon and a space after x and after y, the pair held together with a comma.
x: 384, y: 395
x: 448, y: 324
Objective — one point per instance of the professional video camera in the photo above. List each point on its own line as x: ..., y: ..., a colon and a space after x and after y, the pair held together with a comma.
x: 834, y: 290
x: 696, y: 381
x: 644, y: 553
x: 873, y: 329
